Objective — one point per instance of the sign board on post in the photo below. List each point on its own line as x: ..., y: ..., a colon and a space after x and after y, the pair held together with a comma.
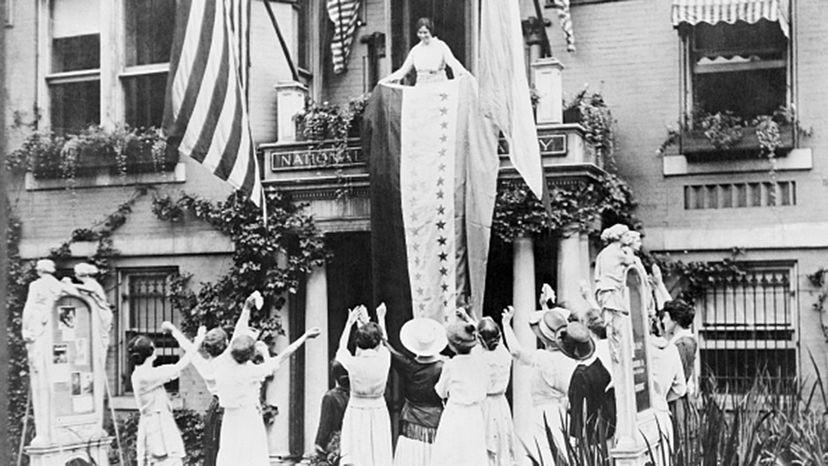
x: 75, y: 374
x: 637, y: 427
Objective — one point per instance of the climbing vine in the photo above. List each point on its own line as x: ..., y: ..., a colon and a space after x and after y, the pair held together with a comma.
x: 272, y: 259
x: 518, y: 212
x: 817, y: 280
x: 692, y: 279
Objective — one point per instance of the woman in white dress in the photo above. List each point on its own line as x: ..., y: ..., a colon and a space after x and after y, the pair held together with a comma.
x: 243, y: 438
x: 366, y: 426
x: 461, y: 435
x: 159, y: 442
x: 500, y: 431
x: 428, y: 58
x: 551, y: 372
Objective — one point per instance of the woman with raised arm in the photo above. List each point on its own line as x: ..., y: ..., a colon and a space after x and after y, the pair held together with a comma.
x: 461, y: 435
x: 243, y: 438
x: 215, y: 345
x: 366, y: 426
x: 424, y: 339
x: 501, y: 444
x: 159, y: 441
x: 549, y: 384
x: 428, y: 58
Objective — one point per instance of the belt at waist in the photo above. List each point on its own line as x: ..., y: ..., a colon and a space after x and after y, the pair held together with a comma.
x: 495, y: 394
x: 366, y: 402
x: 430, y: 71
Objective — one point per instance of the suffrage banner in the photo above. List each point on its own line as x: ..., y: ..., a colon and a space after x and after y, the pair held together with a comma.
x: 433, y: 164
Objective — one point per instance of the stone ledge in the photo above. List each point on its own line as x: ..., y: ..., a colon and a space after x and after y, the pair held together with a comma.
x: 678, y: 165
x: 104, y: 179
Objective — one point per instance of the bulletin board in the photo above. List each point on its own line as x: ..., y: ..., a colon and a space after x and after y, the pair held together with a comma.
x: 72, y: 373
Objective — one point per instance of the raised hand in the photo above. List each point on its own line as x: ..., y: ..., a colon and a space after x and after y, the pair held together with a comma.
x: 507, y: 315
x: 255, y: 299
x: 547, y: 295
x: 657, y: 276
x: 313, y: 332
x: 382, y: 311
x: 167, y: 327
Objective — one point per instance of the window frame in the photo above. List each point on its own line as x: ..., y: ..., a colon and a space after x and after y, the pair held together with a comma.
x: 687, y: 72
x: 124, y: 313
x: 112, y: 68
x: 757, y: 344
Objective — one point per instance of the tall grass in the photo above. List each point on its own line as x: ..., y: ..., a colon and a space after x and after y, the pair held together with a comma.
x: 771, y: 424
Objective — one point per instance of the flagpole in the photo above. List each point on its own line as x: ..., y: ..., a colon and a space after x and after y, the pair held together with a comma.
x: 264, y: 207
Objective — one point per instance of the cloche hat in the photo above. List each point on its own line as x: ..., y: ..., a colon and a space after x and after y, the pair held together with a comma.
x: 574, y: 341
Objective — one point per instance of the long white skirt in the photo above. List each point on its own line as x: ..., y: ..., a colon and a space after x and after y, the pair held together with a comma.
x: 412, y: 452
x: 500, y: 431
x: 366, y: 433
x: 536, y: 440
x: 243, y: 438
x: 461, y: 437
x: 161, y: 425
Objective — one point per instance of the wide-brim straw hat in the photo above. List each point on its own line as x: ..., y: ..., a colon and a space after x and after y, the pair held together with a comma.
x: 423, y: 337
x: 575, y: 341
x: 548, y: 322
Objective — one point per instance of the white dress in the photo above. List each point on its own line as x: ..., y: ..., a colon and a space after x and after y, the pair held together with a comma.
x: 500, y: 430
x: 366, y: 425
x: 461, y: 435
x: 159, y: 441
x: 549, y: 385
x: 243, y: 438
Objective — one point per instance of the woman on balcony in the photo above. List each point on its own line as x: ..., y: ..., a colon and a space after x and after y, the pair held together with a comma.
x: 428, y: 58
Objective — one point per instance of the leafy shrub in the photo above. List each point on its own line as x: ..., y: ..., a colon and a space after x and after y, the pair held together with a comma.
x: 189, y: 422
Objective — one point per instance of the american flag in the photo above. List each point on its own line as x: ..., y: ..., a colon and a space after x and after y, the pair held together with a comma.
x: 345, y: 15
x: 206, y: 112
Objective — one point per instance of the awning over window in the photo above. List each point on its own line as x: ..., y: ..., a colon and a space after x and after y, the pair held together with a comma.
x: 729, y: 11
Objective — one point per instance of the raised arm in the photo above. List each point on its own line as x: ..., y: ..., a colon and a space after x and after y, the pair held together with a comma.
x: 400, y: 73
x: 342, y: 353
x: 243, y: 323
x: 190, y: 348
x: 662, y: 295
x: 311, y: 333
x: 382, y: 311
x: 510, y: 337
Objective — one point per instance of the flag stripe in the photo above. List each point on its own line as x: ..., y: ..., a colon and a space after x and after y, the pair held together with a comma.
x: 206, y: 113
x: 344, y: 15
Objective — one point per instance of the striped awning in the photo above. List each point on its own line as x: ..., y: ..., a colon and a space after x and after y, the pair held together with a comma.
x: 729, y: 11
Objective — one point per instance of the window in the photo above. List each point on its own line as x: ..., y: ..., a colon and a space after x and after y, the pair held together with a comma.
x: 134, y: 50
x: 144, y: 305
x: 747, y: 327
x: 74, y: 79
x: 148, y: 31
x: 735, y: 195
x: 738, y: 67
x: 452, y: 24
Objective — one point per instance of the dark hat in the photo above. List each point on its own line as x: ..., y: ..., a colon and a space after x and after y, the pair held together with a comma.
x: 574, y: 341
x: 461, y: 335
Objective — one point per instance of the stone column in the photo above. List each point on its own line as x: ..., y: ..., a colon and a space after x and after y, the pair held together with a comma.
x: 546, y: 75
x: 278, y: 394
x: 316, y: 352
x: 290, y: 100
x: 523, y: 299
x: 570, y: 265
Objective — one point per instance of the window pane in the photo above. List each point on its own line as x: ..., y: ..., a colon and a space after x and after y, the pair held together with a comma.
x: 149, y: 31
x: 745, y: 93
x: 144, y: 99
x: 74, y: 18
x: 76, y: 53
x: 75, y: 105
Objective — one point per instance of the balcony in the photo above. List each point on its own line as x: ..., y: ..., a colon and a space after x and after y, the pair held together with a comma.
x: 333, y: 177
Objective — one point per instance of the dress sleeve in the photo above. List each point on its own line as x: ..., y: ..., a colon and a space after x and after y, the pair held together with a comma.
x: 577, y: 392
x: 160, y: 375
x: 399, y: 361
x: 327, y: 423
x: 687, y: 351
x: 345, y: 358
x: 441, y: 387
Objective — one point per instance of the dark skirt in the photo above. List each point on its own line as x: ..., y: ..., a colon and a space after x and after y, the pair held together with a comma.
x: 212, y: 430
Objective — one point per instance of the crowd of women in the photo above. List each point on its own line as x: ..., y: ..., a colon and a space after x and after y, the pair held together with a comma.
x: 454, y: 378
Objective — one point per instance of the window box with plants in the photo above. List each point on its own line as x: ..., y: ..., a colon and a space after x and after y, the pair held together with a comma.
x: 724, y: 134
x: 93, y: 151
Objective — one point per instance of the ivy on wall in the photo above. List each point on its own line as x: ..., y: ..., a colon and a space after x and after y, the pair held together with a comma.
x: 519, y: 213
x: 272, y: 259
